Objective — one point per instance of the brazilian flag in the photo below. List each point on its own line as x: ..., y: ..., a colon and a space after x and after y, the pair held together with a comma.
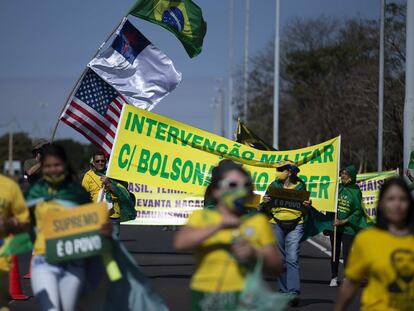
x: 245, y: 136
x: 16, y: 244
x: 182, y: 17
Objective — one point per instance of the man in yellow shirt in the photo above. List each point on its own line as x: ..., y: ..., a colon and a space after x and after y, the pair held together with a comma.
x: 93, y: 179
x: 103, y: 189
x: 14, y: 217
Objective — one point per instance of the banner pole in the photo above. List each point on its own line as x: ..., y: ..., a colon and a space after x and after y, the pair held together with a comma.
x: 69, y: 97
x: 334, y: 243
x: 336, y: 201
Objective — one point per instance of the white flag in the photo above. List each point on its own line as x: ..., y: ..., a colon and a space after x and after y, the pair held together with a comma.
x: 137, y: 69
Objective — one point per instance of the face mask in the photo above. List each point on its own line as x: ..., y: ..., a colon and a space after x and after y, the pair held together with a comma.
x: 55, y: 181
x: 283, y: 175
x: 346, y: 181
x: 235, y: 199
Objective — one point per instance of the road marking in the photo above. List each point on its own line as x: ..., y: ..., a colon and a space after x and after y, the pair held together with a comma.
x: 322, y: 249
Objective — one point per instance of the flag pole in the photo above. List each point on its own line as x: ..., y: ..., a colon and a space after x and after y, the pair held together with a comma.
x: 381, y: 89
x: 276, y: 79
x: 334, y: 241
x: 230, y: 82
x: 409, y: 85
x: 246, y: 60
x: 336, y: 200
x: 73, y: 90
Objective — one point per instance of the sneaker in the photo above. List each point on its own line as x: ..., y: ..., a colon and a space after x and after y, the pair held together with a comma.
x: 334, y: 282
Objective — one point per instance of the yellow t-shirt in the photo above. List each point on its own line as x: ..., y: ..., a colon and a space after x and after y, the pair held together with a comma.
x: 12, y: 204
x: 388, y: 263
x: 282, y: 213
x: 214, y: 263
x: 93, y: 185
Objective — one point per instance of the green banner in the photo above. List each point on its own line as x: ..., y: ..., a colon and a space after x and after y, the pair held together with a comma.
x: 75, y: 246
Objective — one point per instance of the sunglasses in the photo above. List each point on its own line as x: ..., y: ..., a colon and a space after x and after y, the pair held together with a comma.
x: 234, y: 184
x: 100, y: 161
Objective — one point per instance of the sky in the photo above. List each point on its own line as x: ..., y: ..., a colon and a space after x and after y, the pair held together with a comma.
x: 47, y: 43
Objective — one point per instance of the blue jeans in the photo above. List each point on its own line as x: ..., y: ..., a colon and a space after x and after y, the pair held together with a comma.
x: 288, y: 243
x: 57, y: 286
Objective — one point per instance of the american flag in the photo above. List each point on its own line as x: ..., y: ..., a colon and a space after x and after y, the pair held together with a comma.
x: 94, y: 111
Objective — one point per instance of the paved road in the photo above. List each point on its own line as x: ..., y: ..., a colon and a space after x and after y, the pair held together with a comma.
x: 171, y: 271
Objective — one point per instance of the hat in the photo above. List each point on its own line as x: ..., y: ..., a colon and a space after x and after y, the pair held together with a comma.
x: 287, y: 165
x: 39, y: 143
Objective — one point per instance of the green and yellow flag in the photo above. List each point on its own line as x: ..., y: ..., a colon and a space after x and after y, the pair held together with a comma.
x: 245, y: 136
x: 182, y: 17
x: 16, y: 244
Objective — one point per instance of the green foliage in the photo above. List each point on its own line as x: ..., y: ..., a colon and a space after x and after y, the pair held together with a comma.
x: 78, y: 154
x: 329, y: 86
x: 22, y: 148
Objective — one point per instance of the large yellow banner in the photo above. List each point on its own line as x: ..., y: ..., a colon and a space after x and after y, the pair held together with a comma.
x: 161, y: 152
x: 370, y: 185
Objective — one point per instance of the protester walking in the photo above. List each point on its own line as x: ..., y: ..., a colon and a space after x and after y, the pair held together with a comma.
x: 348, y: 219
x: 384, y: 255
x: 14, y: 218
x: 114, y: 193
x: 56, y: 286
x: 287, y: 224
x: 226, y: 240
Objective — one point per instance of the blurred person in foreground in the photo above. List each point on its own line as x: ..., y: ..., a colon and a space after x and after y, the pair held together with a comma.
x: 226, y: 240
x: 348, y: 219
x: 31, y: 167
x: 384, y: 255
x: 56, y: 286
x: 14, y: 218
x: 114, y: 193
x: 287, y: 225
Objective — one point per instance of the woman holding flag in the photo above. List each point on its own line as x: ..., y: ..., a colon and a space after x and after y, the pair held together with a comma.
x: 384, y: 255
x: 226, y: 240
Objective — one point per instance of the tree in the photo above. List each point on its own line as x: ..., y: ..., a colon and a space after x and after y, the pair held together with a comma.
x: 22, y: 148
x: 78, y: 154
x: 329, y: 71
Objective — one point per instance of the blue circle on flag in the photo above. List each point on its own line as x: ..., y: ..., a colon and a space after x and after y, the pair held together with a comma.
x: 174, y: 17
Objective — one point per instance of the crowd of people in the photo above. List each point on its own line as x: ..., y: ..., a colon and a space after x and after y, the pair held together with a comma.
x: 227, y: 238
